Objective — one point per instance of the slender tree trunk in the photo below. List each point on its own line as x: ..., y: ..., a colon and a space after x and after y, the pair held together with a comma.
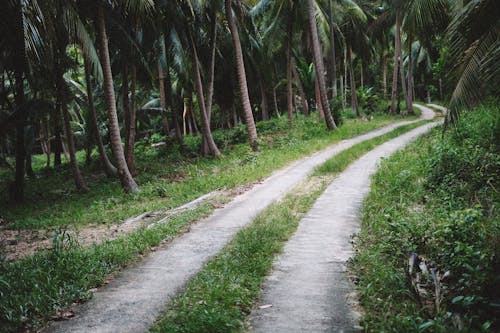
x: 163, y: 100
x: 289, y: 65
x: 319, y: 105
x: 362, y: 76
x: 130, y: 142
x: 242, y: 78
x: 319, y: 67
x: 275, y: 100
x: 17, y: 192
x: 354, y: 97
x: 57, y: 136
x: 332, y: 47
x: 211, y: 77
x: 45, y: 139
x: 345, y: 77
x: 207, y: 133
x: 211, y: 74
x: 300, y: 87
x: 107, y: 166
x: 126, y: 179
x: 397, y: 48
x: 170, y: 98
x: 79, y: 182
x: 384, y: 75
x: 409, y: 103
x: 342, y: 91
x: 264, y: 102
x: 409, y: 107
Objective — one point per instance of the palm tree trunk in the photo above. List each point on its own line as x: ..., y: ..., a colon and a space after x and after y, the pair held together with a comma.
x: 163, y: 100
x: 342, y: 91
x: 319, y: 106
x: 319, y: 67
x: 410, y: 78
x: 275, y: 100
x: 126, y: 179
x: 107, y: 166
x: 242, y: 78
x: 384, y: 75
x: 170, y: 98
x: 397, y: 48
x: 211, y: 77
x: 354, y: 97
x: 409, y: 107
x: 57, y: 136
x: 17, y: 193
x: 79, y: 182
x: 300, y: 87
x: 211, y: 74
x: 264, y: 101
x: 362, y: 75
x: 332, y: 47
x: 207, y: 133
x: 130, y: 142
x: 61, y: 100
x: 289, y: 65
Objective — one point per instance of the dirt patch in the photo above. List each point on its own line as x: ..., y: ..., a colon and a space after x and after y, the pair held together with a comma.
x: 17, y: 244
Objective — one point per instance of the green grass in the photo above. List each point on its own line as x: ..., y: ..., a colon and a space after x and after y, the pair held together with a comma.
x: 34, y: 288
x: 438, y: 198
x: 344, y: 158
x: 219, y: 297
x: 168, y: 178
x: 223, y: 293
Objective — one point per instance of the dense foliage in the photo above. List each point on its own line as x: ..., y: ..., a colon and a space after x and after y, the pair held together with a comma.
x: 439, y: 200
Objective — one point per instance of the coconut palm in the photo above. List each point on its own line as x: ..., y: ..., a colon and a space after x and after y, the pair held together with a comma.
x: 128, y: 183
x: 242, y: 78
x: 474, y: 41
x: 319, y: 67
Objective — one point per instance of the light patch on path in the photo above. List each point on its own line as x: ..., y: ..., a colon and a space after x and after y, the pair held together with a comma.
x: 439, y: 107
x: 309, y: 290
x: 132, y: 301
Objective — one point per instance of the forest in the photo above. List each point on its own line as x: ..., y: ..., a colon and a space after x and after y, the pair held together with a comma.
x: 118, y: 115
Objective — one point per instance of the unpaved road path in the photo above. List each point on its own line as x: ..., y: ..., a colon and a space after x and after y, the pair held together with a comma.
x: 309, y: 290
x: 133, y: 300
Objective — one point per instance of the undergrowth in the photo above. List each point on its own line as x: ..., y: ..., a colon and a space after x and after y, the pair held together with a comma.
x: 219, y: 298
x: 169, y: 177
x: 35, y: 288
x: 439, y: 200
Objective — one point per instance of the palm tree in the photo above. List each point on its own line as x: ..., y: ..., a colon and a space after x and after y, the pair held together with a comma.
x: 475, y: 49
x: 21, y: 37
x: 319, y: 67
x: 242, y: 78
x: 107, y: 166
x: 128, y: 183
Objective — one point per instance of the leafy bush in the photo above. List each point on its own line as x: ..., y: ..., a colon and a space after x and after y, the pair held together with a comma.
x: 439, y: 199
x: 367, y: 99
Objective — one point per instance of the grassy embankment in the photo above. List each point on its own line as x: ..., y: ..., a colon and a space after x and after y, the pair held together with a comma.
x: 224, y: 292
x: 438, y: 199
x: 167, y: 177
x: 34, y: 288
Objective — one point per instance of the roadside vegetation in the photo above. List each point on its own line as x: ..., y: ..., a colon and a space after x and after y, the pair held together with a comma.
x: 169, y: 179
x: 40, y: 287
x: 219, y: 298
x: 428, y: 252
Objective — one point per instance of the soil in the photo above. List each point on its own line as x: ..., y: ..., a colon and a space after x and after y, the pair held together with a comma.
x: 17, y: 244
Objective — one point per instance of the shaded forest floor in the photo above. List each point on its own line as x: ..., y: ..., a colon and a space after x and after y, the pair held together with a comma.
x: 168, y: 178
